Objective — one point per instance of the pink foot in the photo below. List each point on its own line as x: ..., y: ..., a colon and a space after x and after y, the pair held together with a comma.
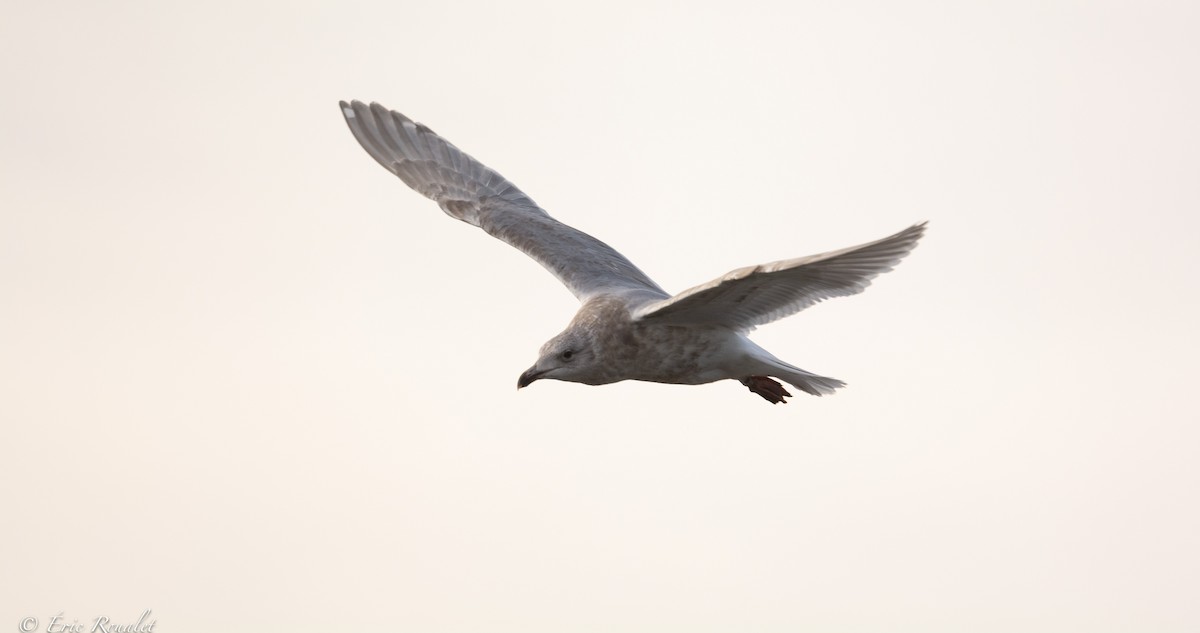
x: 767, y: 388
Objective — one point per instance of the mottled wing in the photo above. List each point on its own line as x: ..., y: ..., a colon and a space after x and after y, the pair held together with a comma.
x: 468, y: 190
x: 753, y: 296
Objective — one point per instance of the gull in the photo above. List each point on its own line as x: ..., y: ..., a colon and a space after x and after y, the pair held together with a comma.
x: 628, y: 328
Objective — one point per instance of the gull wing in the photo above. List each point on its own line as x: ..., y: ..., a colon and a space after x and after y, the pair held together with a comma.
x: 468, y: 190
x: 756, y: 295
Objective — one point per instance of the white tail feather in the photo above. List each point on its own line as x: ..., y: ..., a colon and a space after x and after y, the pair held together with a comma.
x: 805, y: 381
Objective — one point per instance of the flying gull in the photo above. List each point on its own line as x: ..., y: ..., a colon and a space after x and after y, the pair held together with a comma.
x: 629, y: 328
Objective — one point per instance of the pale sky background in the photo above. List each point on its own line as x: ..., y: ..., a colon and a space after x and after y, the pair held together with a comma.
x: 252, y: 382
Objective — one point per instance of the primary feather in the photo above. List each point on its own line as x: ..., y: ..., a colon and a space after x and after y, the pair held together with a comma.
x: 468, y: 190
x: 756, y: 295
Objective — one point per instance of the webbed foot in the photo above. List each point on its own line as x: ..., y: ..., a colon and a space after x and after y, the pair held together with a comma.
x: 769, y: 389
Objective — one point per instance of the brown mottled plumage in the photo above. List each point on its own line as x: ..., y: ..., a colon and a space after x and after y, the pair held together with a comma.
x: 628, y: 328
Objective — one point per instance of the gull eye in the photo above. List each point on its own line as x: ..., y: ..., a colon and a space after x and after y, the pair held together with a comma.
x: 567, y: 355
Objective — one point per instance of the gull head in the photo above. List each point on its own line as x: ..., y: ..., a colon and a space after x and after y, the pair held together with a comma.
x: 570, y: 356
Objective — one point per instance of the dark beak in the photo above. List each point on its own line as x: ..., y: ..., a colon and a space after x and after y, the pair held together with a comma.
x: 528, y: 377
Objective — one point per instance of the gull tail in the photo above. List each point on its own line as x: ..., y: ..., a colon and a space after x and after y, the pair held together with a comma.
x: 760, y: 365
x: 806, y: 381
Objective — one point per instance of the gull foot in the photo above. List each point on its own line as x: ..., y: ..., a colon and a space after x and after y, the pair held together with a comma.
x: 772, y: 391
